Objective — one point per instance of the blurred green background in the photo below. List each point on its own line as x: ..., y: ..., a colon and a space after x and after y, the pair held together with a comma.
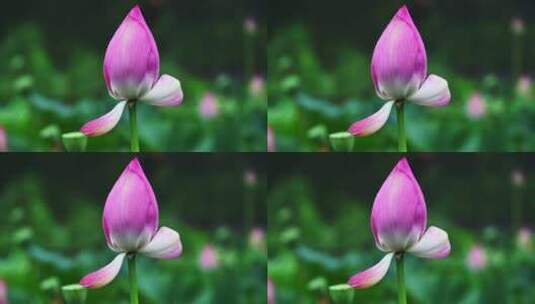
x: 319, y: 229
x: 319, y: 81
x: 51, y: 226
x: 51, y: 81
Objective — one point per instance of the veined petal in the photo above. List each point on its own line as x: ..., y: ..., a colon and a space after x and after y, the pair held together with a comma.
x: 167, y: 92
x: 372, y: 123
x: 105, y: 123
x: 166, y: 244
x: 372, y: 275
x: 434, y: 244
x: 130, y: 218
x: 399, y: 214
x: 104, y: 275
x: 433, y: 93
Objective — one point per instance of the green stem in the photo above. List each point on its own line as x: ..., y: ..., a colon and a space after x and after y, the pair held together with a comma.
x: 402, y: 138
x: 134, y: 138
x: 400, y: 272
x: 132, y: 278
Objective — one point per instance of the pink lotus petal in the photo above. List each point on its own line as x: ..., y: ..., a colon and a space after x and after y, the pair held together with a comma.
x: 476, y: 108
x: 434, y: 244
x: 372, y: 123
x: 105, y: 123
x: 372, y: 275
x: 433, y: 93
x: 209, y: 106
x: 132, y: 62
x: 399, y: 214
x: 209, y: 258
x: 167, y: 92
x: 105, y: 275
x: 130, y: 218
x: 399, y: 62
x: 477, y: 258
x: 165, y: 245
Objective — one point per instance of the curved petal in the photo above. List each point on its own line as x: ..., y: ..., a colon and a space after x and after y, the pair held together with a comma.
x: 167, y: 92
x: 434, y: 244
x: 372, y: 275
x: 105, y: 123
x: 433, y: 93
x: 372, y: 123
x: 104, y: 275
x: 166, y: 244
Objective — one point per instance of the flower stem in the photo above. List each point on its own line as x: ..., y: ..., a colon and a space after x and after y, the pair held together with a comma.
x: 132, y: 278
x: 134, y: 137
x: 402, y: 138
x: 400, y: 273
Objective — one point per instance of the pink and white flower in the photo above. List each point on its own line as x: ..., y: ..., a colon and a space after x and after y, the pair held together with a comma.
x: 257, y: 238
x: 130, y: 224
x: 399, y: 73
x: 256, y: 86
x: 132, y: 73
x: 477, y: 258
x: 476, y: 108
x: 3, y: 140
x: 209, y: 107
x: 3, y: 292
x: 209, y: 258
x: 523, y: 238
x: 398, y: 223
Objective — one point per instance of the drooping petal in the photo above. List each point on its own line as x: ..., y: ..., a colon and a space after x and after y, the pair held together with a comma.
x: 132, y: 62
x: 165, y: 244
x: 130, y: 217
x: 399, y: 214
x: 399, y: 62
x: 434, y: 244
x: 433, y: 93
x: 104, y: 275
x: 167, y: 92
x: 372, y: 275
x: 372, y: 123
x: 104, y: 123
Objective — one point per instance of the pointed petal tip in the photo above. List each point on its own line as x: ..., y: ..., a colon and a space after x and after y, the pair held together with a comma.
x: 403, y: 12
x: 372, y: 275
x: 135, y: 12
x: 105, y: 275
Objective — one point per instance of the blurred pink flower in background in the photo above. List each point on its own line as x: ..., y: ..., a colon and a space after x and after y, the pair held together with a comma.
x: 270, y: 292
x: 249, y: 25
x: 209, y: 259
x: 476, y: 259
x: 256, y: 86
x: 523, y: 238
x: 270, y: 140
x: 517, y: 26
x: 3, y: 292
x: 209, y: 107
x: 257, y: 239
x: 3, y: 141
x: 523, y: 86
x: 249, y: 178
x: 476, y: 107
x: 517, y: 178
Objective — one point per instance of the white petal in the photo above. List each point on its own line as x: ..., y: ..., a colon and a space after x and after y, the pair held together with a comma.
x: 105, y: 123
x: 167, y: 92
x: 104, y: 275
x: 434, y: 244
x: 434, y: 92
x: 166, y: 244
x: 372, y: 123
x: 372, y: 275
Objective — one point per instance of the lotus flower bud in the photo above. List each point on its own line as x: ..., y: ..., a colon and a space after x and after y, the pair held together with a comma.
x: 209, y: 259
x: 257, y: 239
x: 132, y: 62
x: 523, y: 238
x: 209, y: 108
x: 399, y: 62
x: 256, y: 86
x: 523, y: 86
x: 476, y: 259
x: 517, y: 26
x: 399, y: 213
x: 476, y: 108
x: 249, y: 25
x: 130, y: 217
